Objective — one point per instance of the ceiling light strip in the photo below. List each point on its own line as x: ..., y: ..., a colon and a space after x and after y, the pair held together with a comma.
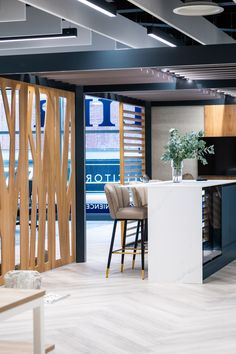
x: 97, y: 8
x: 162, y: 40
x: 67, y: 33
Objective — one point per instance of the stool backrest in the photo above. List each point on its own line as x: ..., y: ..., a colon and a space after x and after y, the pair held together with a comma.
x: 139, y: 195
x: 117, y: 197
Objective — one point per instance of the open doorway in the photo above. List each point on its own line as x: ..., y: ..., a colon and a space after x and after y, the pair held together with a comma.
x: 115, y: 153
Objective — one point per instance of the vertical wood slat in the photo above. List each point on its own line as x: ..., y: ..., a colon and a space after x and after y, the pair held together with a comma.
x: 132, y: 143
x: 7, y: 195
x: 24, y: 189
x: 132, y: 148
x: 35, y: 147
x: 46, y: 191
x: 50, y: 177
x: 71, y: 201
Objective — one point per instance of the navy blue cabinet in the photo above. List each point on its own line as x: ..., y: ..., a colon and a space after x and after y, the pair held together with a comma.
x: 222, y: 231
x: 228, y: 215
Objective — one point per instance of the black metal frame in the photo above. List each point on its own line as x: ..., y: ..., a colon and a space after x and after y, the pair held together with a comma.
x: 118, y: 59
x: 148, y: 139
x: 133, y: 251
x: 227, y: 100
x: 80, y: 176
x: 116, y: 97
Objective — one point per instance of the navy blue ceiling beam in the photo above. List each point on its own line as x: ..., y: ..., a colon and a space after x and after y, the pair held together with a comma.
x: 180, y: 84
x: 115, y: 97
x: 129, y: 87
x: 227, y: 100
x: 227, y: 83
x: 187, y: 103
x: 118, y: 59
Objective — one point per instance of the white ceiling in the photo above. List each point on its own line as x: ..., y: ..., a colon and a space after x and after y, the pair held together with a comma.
x: 198, y: 28
x: 95, y: 30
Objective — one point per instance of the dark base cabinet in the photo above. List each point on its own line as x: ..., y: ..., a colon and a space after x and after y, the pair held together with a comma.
x: 219, y: 227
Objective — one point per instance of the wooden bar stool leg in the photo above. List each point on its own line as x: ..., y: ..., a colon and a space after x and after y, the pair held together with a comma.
x: 142, y: 249
x: 123, y: 247
x: 111, y: 248
x: 135, y: 245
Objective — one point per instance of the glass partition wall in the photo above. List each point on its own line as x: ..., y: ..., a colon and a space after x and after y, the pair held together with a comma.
x: 102, y: 153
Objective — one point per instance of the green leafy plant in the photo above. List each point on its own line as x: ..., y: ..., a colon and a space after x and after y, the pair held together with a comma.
x: 186, y: 146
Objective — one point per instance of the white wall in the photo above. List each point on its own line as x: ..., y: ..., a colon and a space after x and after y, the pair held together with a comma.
x: 185, y: 119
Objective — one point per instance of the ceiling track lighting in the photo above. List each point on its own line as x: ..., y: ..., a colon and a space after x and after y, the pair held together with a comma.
x: 66, y: 33
x: 107, y: 9
x: 198, y: 8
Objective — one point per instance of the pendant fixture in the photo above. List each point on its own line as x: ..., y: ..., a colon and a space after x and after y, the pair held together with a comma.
x: 198, y: 8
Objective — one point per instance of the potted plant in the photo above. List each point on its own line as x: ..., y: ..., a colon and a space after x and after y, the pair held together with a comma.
x: 186, y: 146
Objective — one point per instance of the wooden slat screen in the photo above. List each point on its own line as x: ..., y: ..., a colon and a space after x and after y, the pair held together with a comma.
x: 132, y: 149
x: 132, y: 142
x: 37, y: 212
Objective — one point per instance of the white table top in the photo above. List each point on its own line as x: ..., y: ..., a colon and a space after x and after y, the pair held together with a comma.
x: 183, y: 184
x: 10, y: 298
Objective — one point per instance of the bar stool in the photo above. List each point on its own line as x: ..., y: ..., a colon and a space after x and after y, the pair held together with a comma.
x: 120, y: 210
x: 140, y: 199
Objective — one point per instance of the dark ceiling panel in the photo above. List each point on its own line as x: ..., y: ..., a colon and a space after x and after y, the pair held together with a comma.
x: 180, y: 95
x: 204, y: 72
x: 109, y: 77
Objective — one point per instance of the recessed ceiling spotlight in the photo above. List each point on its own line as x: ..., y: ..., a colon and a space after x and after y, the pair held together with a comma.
x: 198, y: 8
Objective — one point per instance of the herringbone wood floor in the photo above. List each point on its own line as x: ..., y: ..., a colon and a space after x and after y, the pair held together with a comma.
x: 125, y: 315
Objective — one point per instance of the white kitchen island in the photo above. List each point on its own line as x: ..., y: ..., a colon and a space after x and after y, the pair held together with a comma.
x: 175, y: 229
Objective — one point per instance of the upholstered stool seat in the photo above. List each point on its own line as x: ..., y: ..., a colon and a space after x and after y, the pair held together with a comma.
x: 132, y: 213
x: 120, y: 210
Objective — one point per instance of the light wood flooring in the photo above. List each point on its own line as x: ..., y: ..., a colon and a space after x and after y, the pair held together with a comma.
x: 125, y: 315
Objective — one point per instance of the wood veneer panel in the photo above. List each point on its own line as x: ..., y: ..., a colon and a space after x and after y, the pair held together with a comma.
x: 220, y: 120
